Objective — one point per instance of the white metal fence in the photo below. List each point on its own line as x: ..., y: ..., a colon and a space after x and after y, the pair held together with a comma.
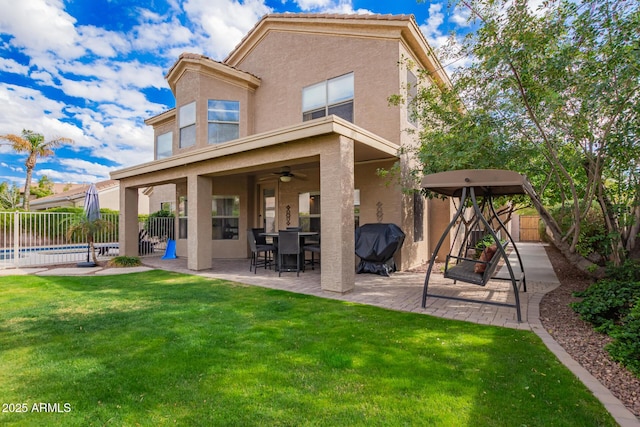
x: 41, y: 238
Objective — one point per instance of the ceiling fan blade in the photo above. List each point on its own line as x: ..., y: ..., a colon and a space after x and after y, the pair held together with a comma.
x: 299, y: 175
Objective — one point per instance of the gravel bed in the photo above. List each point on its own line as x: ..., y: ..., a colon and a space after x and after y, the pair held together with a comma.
x: 579, y: 339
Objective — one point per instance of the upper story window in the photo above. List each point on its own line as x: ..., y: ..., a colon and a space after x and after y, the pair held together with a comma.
x: 187, y: 122
x: 333, y: 96
x: 164, y: 145
x: 224, y: 120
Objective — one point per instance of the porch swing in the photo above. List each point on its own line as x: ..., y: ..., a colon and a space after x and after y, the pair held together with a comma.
x: 468, y: 185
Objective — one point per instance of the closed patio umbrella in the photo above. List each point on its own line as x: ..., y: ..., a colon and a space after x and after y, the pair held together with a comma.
x: 92, y: 212
x: 92, y: 203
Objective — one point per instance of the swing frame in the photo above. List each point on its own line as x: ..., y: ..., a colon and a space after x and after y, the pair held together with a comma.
x: 468, y: 185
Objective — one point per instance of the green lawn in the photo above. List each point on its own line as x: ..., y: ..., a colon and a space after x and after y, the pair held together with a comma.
x: 161, y: 348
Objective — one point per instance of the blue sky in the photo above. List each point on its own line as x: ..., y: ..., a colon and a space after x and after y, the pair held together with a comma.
x: 93, y: 70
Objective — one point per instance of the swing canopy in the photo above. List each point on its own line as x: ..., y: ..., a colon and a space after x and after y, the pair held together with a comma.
x: 498, y: 182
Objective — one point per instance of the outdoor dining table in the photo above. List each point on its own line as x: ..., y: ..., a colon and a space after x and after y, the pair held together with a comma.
x: 290, y: 259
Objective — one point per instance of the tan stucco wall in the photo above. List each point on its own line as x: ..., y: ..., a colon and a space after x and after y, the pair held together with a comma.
x: 193, y: 86
x: 286, y: 62
x: 161, y: 194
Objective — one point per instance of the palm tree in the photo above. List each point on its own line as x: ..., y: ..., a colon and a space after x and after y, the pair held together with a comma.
x: 35, y: 146
x: 83, y: 226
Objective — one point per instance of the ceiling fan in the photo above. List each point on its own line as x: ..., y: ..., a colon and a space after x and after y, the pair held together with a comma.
x: 285, y: 175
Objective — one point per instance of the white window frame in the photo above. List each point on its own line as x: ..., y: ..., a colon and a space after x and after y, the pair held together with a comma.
x: 187, y: 122
x: 224, y: 117
x: 164, y: 145
x: 319, y: 99
x: 217, y: 220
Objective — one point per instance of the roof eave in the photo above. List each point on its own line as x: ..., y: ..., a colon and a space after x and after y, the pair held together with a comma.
x: 325, y: 125
x: 205, y: 65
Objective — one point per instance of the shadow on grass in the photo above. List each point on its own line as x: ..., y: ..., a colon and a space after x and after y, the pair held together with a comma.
x: 158, y: 348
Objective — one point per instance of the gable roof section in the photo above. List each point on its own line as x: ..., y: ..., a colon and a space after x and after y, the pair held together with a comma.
x: 401, y: 27
x: 205, y: 65
x: 162, y: 117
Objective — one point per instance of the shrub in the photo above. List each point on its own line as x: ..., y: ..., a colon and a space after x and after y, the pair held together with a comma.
x: 613, y: 307
x: 124, y: 261
x: 626, y: 345
x: 606, y: 303
x: 629, y: 271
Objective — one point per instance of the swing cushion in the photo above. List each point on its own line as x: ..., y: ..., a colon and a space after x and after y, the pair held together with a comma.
x: 485, y: 257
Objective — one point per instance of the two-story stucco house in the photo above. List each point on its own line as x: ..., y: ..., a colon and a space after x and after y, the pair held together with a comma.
x: 290, y: 129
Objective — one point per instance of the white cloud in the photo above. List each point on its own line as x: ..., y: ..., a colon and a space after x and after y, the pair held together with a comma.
x: 84, y: 166
x: 11, y: 167
x: 431, y: 27
x: 102, y: 42
x: 147, y: 36
x: 460, y: 16
x: 42, y: 77
x: 308, y: 5
x: 224, y: 22
x: 40, y: 26
x: 66, y: 176
x: 11, y: 66
x: 24, y: 108
x: 330, y: 6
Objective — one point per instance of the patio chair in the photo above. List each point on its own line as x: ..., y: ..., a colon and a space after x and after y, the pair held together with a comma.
x: 145, y: 246
x: 257, y: 249
x: 288, y: 244
x: 314, y: 248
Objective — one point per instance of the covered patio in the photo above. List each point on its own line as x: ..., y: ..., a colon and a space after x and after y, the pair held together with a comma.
x: 328, y: 156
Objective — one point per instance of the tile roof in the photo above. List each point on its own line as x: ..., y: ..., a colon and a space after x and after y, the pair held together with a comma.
x: 199, y: 57
x: 77, y: 192
x: 321, y: 16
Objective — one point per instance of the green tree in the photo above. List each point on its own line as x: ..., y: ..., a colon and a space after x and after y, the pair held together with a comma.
x: 9, y: 196
x: 551, y: 93
x: 35, y: 146
x: 44, y: 187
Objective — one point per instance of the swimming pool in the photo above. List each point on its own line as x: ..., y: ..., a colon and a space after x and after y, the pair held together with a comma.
x: 53, y: 254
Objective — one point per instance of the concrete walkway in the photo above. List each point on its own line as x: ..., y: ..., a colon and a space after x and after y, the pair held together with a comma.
x: 403, y: 292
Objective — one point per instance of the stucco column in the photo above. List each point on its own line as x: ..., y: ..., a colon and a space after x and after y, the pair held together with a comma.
x: 128, y: 221
x: 337, y: 243
x: 199, y: 232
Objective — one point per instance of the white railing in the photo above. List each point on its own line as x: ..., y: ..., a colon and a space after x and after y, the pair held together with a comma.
x: 153, y: 235
x: 29, y: 239
x: 40, y: 238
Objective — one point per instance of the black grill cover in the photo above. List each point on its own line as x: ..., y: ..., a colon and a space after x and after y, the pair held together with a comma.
x: 376, y: 244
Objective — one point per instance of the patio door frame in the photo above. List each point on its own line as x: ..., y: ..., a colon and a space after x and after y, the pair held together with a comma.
x: 265, y: 207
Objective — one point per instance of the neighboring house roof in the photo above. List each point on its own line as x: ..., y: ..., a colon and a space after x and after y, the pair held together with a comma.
x: 71, y: 197
x: 61, y: 187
